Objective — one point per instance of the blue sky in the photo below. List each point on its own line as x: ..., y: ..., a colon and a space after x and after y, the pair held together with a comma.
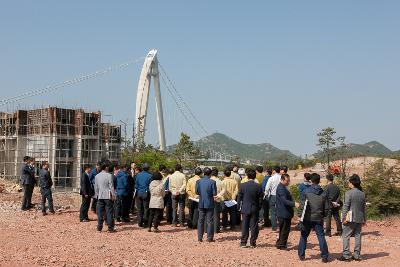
x: 258, y: 71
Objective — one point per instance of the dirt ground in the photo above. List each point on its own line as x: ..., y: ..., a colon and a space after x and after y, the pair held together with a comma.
x: 30, y: 239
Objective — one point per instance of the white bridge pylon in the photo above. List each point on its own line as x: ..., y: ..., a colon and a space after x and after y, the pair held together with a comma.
x: 149, y: 72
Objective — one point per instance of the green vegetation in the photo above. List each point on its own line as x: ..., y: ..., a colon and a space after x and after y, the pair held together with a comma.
x: 239, y: 151
x: 381, y: 187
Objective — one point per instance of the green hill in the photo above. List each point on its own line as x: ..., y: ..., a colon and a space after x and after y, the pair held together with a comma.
x: 372, y: 148
x: 254, y: 152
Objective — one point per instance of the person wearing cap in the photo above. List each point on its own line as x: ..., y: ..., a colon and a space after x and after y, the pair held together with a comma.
x: 193, y: 205
x: 142, y: 184
x: 207, y: 191
x: 353, y: 218
x: 177, y: 187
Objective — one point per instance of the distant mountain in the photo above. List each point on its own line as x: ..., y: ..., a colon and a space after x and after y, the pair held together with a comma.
x: 254, y: 152
x: 372, y: 149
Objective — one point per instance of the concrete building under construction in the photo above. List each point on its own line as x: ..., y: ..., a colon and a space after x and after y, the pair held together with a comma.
x: 66, y: 138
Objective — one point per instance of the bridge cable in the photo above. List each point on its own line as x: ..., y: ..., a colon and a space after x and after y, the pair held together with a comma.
x: 67, y: 83
x: 182, y: 100
x: 178, y: 105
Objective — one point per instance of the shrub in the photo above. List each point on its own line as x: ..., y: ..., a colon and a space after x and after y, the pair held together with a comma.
x: 381, y: 189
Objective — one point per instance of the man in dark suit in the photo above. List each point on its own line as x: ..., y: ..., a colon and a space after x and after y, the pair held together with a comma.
x: 207, y: 191
x: 45, y: 183
x: 249, y: 198
x: 86, y: 192
x: 284, y: 210
x: 28, y: 182
x: 333, y: 195
x: 92, y: 176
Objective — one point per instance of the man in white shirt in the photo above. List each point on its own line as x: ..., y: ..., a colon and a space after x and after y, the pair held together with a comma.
x: 270, y: 194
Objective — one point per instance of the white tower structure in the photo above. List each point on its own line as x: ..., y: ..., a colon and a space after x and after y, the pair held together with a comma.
x: 149, y: 71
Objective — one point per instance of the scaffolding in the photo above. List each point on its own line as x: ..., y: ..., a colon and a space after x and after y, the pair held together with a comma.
x: 66, y: 138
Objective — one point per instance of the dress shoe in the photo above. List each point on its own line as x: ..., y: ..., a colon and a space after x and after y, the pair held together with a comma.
x: 302, y: 258
x: 156, y: 230
x: 44, y: 213
x: 324, y: 260
x: 344, y: 259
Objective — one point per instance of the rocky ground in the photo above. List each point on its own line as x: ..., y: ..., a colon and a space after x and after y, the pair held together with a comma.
x: 30, y: 239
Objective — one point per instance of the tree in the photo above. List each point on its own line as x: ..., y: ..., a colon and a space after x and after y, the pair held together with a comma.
x: 327, y: 142
x: 381, y: 189
x: 185, y: 149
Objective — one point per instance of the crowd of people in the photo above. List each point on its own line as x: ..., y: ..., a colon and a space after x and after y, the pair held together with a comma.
x: 260, y: 198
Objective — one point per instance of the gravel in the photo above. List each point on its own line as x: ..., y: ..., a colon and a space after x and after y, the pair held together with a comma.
x: 30, y: 239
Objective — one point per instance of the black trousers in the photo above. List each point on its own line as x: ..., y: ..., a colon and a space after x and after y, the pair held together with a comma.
x: 217, y: 217
x: 122, y: 208
x: 83, y: 212
x: 328, y: 223
x: 130, y: 201
x: 27, y: 199
x: 105, y: 206
x: 193, y: 214
x: 284, y: 230
x: 178, y: 201
x: 249, y: 222
x: 94, y: 205
x: 142, y: 204
x: 168, y: 207
x: 232, y: 211
x: 265, y: 207
x: 47, y: 194
x: 154, y: 217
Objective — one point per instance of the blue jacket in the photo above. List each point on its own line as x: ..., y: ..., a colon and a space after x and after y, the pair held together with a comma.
x: 92, y: 176
x: 284, y: 202
x: 27, y: 175
x: 206, y: 189
x: 143, y: 180
x: 264, y: 182
x: 45, y: 179
x: 303, y: 186
x: 122, y: 184
x: 166, y: 185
